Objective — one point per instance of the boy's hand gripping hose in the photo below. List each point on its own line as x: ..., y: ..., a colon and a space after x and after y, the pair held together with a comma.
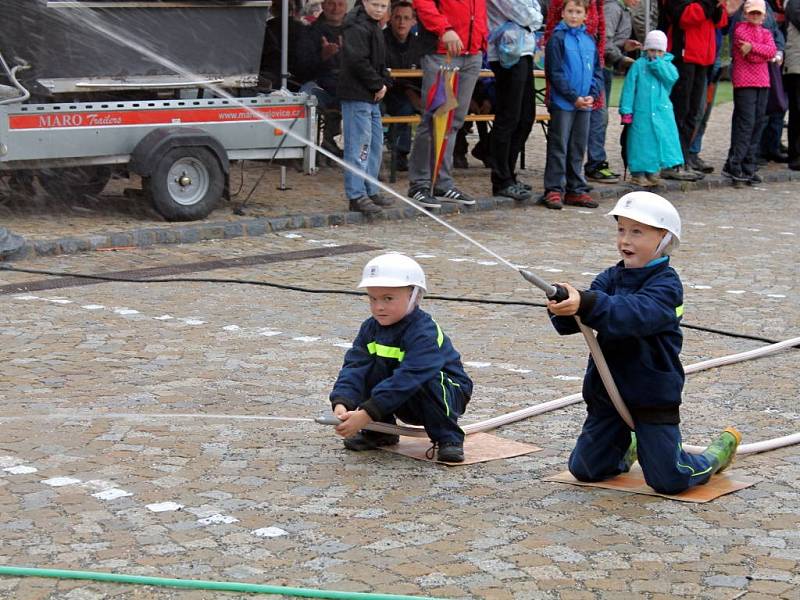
x: 559, y: 293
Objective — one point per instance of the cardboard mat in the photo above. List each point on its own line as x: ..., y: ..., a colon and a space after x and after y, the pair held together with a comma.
x: 478, y: 447
x: 633, y: 481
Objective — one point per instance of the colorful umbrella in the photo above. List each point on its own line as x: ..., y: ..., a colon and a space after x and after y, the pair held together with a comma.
x: 441, y: 101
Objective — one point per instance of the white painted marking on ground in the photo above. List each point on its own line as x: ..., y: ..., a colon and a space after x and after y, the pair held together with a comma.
x: 753, y: 229
x: 776, y: 296
x: 60, y: 481
x: 217, y: 519
x: 487, y: 263
x: 93, y: 306
x: 111, y: 494
x: 785, y: 233
x: 265, y: 331
x: 461, y: 259
x: 20, y: 470
x: 589, y: 274
x: 58, y: 300
x: 164, y: 506
x: 269, y: 532
x: 292, y: 236
x: 231, y: 328
x: 26, y: 297
x: 554, y: 270
x: 306, y: 338
x: 567, y: 377
x: 164, y: 318
x: 477, y: 364
x: 191, y: 321
x: 126, y: 311
x: 345, y: 345
x: 735, y: 291
x: 702, y: 287
x: 515, y: 370
x: 424, y: 256
x: 725, y: 227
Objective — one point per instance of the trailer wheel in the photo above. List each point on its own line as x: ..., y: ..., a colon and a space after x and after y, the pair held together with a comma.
x: 72, y: 183
x: 186, y: 184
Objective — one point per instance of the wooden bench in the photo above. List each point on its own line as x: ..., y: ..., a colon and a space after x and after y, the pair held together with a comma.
x: 541, y: 119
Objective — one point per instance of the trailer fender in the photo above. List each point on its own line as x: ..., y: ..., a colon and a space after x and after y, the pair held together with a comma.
x: 155, y: 145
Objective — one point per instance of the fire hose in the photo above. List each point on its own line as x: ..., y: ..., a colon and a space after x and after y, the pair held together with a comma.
x: 557, y: 292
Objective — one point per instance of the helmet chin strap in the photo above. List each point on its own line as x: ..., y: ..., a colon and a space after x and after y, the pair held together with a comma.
x: 412, y: 302
x: 663, y: 244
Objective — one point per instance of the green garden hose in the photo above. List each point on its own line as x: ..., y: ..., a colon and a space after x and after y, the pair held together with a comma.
x: 198, y: 584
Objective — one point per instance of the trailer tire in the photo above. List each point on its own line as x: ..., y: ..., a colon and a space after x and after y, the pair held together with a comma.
x: 72, y: 183
x: 186, y: 184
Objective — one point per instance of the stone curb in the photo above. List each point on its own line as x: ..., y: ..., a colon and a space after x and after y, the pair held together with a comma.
x: 183, y: 233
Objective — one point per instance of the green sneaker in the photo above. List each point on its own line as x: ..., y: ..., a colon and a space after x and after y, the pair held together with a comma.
x: 630, y: 454
x: 721, y: 451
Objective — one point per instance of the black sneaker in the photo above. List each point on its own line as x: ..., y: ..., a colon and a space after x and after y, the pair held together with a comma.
x: 525, y: 186
x: 366, y: 206
x: 381, y: 200
x: 451, y: 452
x: 736, y: 177
x: 370, y: 440
x: 602, y: 174
x: 754, y: 179
x: 454, y: 195
x: 423, y: 198
x: 515, y: 192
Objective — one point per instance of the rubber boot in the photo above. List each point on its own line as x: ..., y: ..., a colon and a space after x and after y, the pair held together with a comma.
x: 722, y: 450
x: 630, y: 454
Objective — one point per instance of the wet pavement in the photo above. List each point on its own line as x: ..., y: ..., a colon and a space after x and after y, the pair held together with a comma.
x: 164, y: 429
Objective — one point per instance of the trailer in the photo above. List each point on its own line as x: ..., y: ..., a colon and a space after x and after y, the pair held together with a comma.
x: 82, y: 102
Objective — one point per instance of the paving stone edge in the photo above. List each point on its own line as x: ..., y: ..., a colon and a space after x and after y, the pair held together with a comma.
x: 187, y: 233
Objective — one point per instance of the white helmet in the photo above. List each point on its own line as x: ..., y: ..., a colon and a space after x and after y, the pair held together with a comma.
x: 393, y: 270
x: 650, y: 209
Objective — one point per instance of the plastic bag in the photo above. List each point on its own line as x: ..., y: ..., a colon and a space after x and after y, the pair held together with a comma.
x: 509, y: 41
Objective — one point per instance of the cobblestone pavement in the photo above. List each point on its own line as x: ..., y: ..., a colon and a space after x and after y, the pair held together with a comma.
x: 130, y: 441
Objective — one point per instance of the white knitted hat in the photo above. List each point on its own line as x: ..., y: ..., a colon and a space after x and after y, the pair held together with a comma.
x: 656, y: 40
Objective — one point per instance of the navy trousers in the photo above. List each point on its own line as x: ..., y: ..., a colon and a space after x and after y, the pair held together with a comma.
x: 605, y: 438
x: 437, y: 408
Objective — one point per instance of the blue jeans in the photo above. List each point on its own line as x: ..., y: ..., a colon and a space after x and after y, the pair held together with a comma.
x: 605, y: 438
x: 598, y: 121
x: 363, y: 146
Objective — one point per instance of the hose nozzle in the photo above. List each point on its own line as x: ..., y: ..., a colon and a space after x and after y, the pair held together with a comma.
x: 553, y: 292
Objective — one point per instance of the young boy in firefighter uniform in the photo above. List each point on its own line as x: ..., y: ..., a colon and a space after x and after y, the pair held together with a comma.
x: 401, y: 365
x: 636, y: 308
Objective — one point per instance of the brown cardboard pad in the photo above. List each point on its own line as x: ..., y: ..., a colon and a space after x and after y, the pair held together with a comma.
x: 633, y: 481
x: 478, y: 447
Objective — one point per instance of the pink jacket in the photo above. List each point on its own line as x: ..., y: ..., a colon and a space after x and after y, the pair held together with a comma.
x: 751, y: 70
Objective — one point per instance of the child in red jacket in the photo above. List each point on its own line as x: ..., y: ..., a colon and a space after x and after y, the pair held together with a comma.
x: 752, y: 47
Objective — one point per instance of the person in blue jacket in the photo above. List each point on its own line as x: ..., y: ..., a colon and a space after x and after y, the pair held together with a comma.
x: 651, y: 138
x: 401, y: 365
x: 575, y: 78
x: 636, y: 308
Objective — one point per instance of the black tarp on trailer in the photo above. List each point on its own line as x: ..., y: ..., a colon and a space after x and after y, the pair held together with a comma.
x: 212, y: 39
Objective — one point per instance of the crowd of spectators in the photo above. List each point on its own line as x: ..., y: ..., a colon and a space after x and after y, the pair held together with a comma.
x: 426, y: 34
